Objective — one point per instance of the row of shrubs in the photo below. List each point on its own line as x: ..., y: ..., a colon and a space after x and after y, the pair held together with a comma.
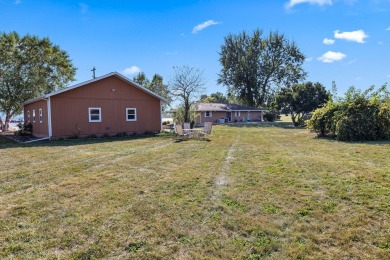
x: 358, y: 117
x: 26, y: 130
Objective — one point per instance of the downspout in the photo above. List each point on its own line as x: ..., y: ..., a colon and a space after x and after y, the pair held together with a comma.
x: 49, y: 117
x: 161, y: 122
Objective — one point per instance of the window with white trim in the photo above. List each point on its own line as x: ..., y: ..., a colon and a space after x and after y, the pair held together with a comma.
x: 94, y: 114
x: 34, y: 116
x: 131, y: 114
x: 208, y: 114
x: 238, y: 113
x: 28, y: 116
x: 40, y: 116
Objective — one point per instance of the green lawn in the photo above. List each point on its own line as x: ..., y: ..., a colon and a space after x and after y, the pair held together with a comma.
x: 250, y: 192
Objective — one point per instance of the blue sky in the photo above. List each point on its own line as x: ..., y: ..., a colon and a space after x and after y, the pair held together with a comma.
x: 347, y: 41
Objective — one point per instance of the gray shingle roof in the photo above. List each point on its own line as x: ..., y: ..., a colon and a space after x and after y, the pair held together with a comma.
x: 225, y: 107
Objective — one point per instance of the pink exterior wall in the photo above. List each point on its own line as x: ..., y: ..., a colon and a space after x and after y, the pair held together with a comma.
x: 216, y: 115
x: 70, y: 110
x: 39, y: 129
x: 113, y: 95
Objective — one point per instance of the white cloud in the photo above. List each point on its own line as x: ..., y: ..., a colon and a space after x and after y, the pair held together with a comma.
x: 204, y: 25
x: 331, y: 56
x: 328, y: 41
x: 292, y: 3
x: 352, y: 62
x: 83, y: 8
x: 131, y: 70
x: 355, y: 36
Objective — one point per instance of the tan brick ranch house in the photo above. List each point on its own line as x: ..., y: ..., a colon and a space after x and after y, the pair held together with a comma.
x: 109, y: 104
x: 227, y: 113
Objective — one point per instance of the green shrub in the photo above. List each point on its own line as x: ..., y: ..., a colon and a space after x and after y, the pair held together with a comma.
x: 359, y: 117
x: 121, y: 134
x: 24, y: 129
x: 270, y: 116
x: 91, y: 136
x: 322, y: 120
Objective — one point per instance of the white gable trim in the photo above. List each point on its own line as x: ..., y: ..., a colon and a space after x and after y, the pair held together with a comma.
x: 94, y: 80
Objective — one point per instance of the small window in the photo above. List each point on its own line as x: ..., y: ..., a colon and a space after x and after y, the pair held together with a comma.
x: 34, y: 116
x: 28, y: 116
x: 208, y: 114
x: 40, y: 116
x: 95, y: 114
x: 238, y: 113
x: 131, y: 114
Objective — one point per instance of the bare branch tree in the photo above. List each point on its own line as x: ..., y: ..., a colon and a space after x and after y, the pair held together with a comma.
x: 187, y: 85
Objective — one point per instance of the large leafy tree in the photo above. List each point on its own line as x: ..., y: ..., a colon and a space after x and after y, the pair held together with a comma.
x: 301, y: 99
x: 30, y: 67
x: 216, y: 97
x: 186, y: 85
x: 156, y: 85
x: 255, y: 66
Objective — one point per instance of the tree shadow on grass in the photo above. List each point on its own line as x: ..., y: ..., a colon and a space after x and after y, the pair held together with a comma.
x: 284, y: 125
x: 332, y: 139
x: 6, y: 143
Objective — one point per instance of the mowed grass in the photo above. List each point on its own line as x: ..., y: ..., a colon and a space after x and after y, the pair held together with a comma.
x: 253, y: 191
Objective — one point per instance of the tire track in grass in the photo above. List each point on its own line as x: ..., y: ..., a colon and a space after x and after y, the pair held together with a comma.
x: 222, y: 180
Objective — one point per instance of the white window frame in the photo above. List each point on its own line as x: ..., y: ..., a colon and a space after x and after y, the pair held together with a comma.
x: 28, y: 116
x: 210, y: 114
x: 40, y: 116
x: 34, y: 116
x: 127, y: 114
x: 238, y: 113
x: 89, y: 114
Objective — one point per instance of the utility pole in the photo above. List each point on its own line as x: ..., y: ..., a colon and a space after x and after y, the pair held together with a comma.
x: 93, y: 71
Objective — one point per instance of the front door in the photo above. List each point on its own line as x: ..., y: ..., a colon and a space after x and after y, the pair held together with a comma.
x: 229, y: 116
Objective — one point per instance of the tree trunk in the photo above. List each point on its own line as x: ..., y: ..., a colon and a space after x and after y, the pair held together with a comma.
x: 6, y: 122
x: 293, y: 117
x: 8, y: 116
x: 186, y: 111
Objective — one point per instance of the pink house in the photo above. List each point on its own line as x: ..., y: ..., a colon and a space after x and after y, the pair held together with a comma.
x: 227, y: 113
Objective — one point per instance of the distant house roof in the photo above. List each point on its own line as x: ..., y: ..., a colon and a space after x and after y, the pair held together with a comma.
x: 225, y: 107
x: 117, y: 74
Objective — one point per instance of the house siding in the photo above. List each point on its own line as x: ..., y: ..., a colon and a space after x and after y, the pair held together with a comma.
x: 38, y: 129
x: 69, y: 109
x: 216, y: 115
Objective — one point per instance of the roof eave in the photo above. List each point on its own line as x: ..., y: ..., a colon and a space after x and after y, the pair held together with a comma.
x: 100, y: 78
x: 34, y: 100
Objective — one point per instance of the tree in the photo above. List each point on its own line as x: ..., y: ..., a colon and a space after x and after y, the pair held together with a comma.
x: 216, y: 97
x: 29, y: 68
x: 141, y: 79
x: 253, y: 67
x: 186, y: 85
x: 300, y: 99
x: 156, y: 85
